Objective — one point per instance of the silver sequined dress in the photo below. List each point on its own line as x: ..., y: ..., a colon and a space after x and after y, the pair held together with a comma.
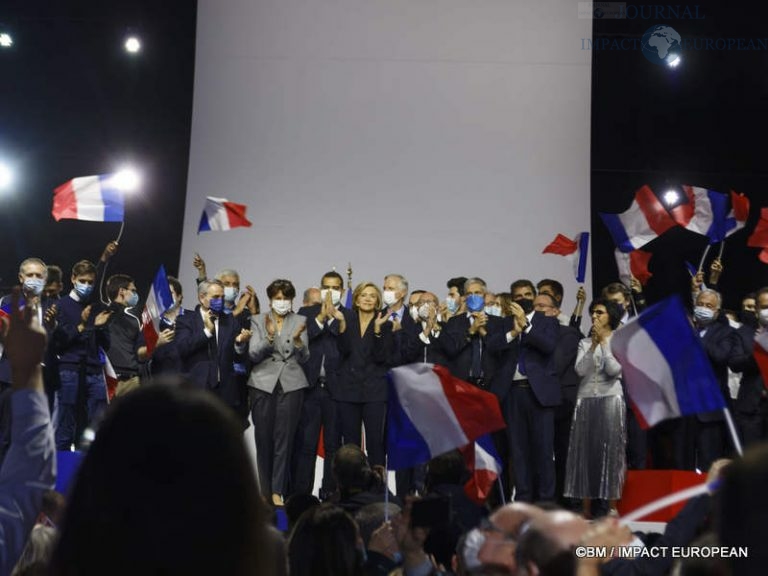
x: 596, y: 453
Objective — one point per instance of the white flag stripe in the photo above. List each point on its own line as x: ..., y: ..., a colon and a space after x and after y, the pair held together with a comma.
x: 647, y: 363
x: 484, y: 461
x: 417, y: 385
x: 90, y: 203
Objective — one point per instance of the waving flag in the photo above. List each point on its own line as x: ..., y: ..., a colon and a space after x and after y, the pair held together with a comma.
x: 485, y: 465
x: 759, y: 237
x: 158, y: 301
x: 633, y: 264
x: 91, y: 198
x: 664, y: 365
x: 575, y: 250
x: 431, y: 412
x: 645, y: 220
x: 221, y: 214
x: 736, y: 219
x: 704, y: 213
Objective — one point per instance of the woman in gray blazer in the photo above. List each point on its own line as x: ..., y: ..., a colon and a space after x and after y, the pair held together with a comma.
x: 278, y: 345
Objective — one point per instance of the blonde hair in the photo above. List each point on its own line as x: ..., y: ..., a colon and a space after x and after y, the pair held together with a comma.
x: 359, y: 290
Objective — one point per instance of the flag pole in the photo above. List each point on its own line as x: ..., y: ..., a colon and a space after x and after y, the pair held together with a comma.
x: 704, y: 257
x: 501, y: 491
x: 669, y: 500
x: 386, y: 487
x: 732, y: 430
x: 722, y: 247
x: 120, y: 234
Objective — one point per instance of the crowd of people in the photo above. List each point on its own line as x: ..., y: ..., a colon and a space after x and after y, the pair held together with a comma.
x: 167, y: 485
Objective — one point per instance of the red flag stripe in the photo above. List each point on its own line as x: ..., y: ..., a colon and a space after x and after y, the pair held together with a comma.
x: 655, y: 214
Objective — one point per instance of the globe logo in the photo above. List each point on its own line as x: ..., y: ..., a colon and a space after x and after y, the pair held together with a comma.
x: 661, y: 44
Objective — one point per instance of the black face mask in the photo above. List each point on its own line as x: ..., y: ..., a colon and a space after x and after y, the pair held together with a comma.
x: 748, y: 318
x: 526, y: 304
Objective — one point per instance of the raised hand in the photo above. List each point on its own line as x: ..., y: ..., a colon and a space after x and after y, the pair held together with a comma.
x: 715, y: 270
x: 581, y: 295
x: 49, y: 319
x: 297, y: 336
x: 253, y: 300
x: 244, y: 336
x: 208, y: 321
x: 102, y: 318
x: 199, y: 264
x: 269, y: 325
x: 696, y: 282
x: 634, y: 285
x: 165, y: 337
x: 109, y: 251
x: 379, y: 321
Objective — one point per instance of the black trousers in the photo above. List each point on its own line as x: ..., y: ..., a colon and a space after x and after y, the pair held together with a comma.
x: 275, y: 418
x: 373, y: 415
x: 532, y: 440
x: 317, y: 411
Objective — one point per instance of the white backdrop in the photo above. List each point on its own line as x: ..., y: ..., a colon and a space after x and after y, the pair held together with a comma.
x: 432, y: 138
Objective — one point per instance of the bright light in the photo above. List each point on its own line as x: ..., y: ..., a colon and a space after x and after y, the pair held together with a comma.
x: 670, y: 197
x: 5, y: 40
x: 126, y: 180
x: 6, y: 177
x: 674, y: 62
x: 132, y: 45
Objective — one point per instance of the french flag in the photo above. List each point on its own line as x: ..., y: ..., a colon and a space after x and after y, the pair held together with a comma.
x: 158, y: 301
x: 664, y: 365
x: 704, y: 213
x: 633, y: 264
x: 736, y: 219
x: 91, y: 198
x: 485, y: 465
x: 110, y: 376
x: 431, y: 412
x: 759, y: 236
x: 221, y: 214
x: 575, y: 250
x: 645, y: 220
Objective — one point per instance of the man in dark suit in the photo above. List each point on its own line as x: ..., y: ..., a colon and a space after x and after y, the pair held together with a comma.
x: 205, y: 340
x: 719, y: 340
x: 394, y: 291
x: 535, y: 392
x: 319, y: 407
x: 751, y: 405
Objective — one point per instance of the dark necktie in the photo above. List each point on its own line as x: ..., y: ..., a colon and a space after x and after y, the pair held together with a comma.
x: 476, y: 368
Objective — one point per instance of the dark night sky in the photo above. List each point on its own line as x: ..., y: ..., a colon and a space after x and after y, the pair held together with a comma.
x: 75, y: 104
x: 703, y: 123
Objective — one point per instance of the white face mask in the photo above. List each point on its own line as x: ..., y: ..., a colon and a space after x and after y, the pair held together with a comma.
x: 335, y: 296
x: 493, y: 310
x: 424, y: 311
x: 230, y: 293
x: 389, y: 297
x: 762, y: 316
x: 281, y: 307
x: 414, y: 311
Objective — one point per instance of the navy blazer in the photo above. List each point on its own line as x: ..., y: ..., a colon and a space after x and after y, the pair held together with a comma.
x: 538, y: 346
x: 322, y: 345
x: 416, y: 350
x: 363, y: 361
x: 457, y: 346
x: 208, y: 364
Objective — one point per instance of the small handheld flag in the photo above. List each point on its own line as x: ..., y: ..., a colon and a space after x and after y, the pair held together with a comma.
x: 221, y: 214
x: 90, y: 198
x: 575, y: 250
x: 633, y: 264
x: 158, y: 301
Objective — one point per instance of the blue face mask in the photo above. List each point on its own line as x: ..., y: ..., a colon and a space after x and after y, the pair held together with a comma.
x: 133, y: 299
x: 216, y: 304
x: 34, y: 286
x: 83, y: 290
x: 475, y: 302
x: 452, y: 304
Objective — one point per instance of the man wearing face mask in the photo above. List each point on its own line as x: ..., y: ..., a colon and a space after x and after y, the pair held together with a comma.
x: 393, y: 294
x: 205, y: 339
x: 166, y: 359
x: 454, y: 302
x: 127, y: 347
x: 319, y: 407
x: 751, y: 404
x: 707, y: 433
x: 80, y: 336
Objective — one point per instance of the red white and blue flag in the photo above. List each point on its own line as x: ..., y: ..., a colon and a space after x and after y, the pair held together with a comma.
x: 664, y: 365
x: 645, y: 220
x: 221, y: 214
x: 575, y: 250
x: 158, y: 301
x: 706, y: 213
x: 633, y: 264
x: 110, y: 376
x: 759, y: 236
x: 485, y: 465
x: 91, y: 198
x: 431, y: 412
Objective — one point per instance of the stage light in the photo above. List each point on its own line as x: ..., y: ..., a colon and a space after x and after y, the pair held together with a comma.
x: 671, y: 197
x: 6, y: 176
x: 126, y: 179
x: 673, y: 63
x: 6, y: 41
x: 132, y: 45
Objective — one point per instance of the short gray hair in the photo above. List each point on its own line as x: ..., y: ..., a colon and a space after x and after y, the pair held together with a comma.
x: 715, y: 293
x: 401, y: 279
x: 475, y: 280
x: 33, y: 261
x: 228, y: 272
x: 202, y: 288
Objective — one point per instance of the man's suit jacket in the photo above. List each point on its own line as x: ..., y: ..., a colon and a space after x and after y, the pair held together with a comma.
x: 280, y: 360
x: 720, y: 343
x: 209, y: 362
x: 50, y: 352
x: 323, y: 349
x: 537, y: 347
x: 404, y: 341
x: 457, y: 345
x: 419, y: 351
x: 565, y: 360
x: 364, y: 361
